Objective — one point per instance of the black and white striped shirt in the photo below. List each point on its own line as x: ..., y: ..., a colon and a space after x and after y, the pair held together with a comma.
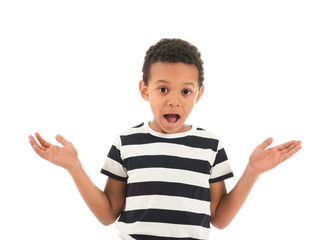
x: 168, y: 177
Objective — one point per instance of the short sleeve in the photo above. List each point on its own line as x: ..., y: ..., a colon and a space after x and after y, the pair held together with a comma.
x: 113, y: 166
x: 221, y: 168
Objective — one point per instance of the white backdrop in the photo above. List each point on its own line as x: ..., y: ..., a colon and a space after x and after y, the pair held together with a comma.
x: 72, y: 67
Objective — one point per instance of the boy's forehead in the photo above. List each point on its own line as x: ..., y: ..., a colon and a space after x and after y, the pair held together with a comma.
x: 163, y: 72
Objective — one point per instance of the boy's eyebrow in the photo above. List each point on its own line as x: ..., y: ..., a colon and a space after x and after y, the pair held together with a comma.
x: 189, y: 83
x: 162, y: 81
x: 165, y: 81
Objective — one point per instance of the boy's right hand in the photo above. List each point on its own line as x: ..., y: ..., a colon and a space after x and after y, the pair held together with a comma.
x: 66, y: 156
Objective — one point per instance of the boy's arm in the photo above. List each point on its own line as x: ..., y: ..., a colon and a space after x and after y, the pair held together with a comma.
x: 105, y: 205
x: 225, y: 206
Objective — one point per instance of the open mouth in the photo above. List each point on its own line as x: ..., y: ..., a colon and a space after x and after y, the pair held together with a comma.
x: 171, y: 118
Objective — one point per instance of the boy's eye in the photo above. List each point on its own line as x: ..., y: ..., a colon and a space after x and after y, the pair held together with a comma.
x: 163, y: 90
x: 186, y: 92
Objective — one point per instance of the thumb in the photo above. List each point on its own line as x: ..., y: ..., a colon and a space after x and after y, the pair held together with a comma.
x: 62, y: 140
x: 266, y: 143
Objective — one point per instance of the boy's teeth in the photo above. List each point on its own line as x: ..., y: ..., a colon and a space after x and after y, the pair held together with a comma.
x: 171, y: 117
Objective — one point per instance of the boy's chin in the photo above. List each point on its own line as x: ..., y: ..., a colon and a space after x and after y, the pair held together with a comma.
x: 167, y: 127
x: 175, y: 127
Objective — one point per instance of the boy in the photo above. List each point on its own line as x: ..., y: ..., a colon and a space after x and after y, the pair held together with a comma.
x: 166, y: 178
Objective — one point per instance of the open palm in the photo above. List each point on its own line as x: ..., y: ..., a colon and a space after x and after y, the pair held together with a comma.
x: 65, y: 156
x: 262, y: 159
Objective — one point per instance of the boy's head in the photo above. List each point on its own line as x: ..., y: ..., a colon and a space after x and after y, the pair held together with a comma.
x: 173, y: 51
x: 172, y: 83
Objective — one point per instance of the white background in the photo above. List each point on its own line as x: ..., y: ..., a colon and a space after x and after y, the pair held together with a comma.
x: 72, y: 67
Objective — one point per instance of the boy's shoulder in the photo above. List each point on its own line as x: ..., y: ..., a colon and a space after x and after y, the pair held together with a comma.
x: 134, y: 130
x: 206, y: 133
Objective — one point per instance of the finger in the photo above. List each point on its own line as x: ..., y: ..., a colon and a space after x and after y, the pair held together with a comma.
x: 291, y: 152
x: 266, y: 143
x: 62, y: 140
x: 283, y: 146
x: 286, y: 147
x: 32, y: 141
x: 38, y: 149
x: 42, y: 141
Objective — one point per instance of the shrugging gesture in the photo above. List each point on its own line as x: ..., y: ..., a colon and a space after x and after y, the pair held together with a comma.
x: 262, y: 159
x: 106, y: 205
x: 66, y: 156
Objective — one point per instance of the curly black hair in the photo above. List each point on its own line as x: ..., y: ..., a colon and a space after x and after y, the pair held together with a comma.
x: 173, y: 50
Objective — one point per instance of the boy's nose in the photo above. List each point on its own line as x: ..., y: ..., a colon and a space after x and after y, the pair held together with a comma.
x: 173, y: 100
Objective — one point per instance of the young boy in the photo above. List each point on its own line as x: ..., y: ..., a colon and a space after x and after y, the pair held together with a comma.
x: 165, y: 177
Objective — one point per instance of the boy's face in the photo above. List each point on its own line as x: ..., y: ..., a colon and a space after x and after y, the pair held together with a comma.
x: 172, y: 91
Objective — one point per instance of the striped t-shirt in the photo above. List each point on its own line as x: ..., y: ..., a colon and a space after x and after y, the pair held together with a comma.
x: 168, y: 177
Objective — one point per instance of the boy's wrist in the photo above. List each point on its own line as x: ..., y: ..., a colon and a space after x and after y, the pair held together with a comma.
x: 75, y: 168
x: 250, y: 171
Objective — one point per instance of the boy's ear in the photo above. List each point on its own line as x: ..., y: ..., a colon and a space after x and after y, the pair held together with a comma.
x: 143, y: 90
x: 202, y: 88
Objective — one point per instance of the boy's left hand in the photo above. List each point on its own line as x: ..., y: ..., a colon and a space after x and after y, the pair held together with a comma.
x: 262, y: 159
